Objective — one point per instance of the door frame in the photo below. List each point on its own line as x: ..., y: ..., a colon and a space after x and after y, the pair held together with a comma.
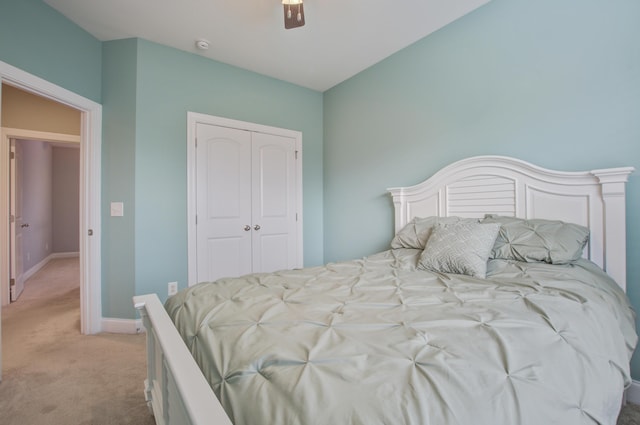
x: 6, y: 134
x: 90, y: 189
x: 195, y: 118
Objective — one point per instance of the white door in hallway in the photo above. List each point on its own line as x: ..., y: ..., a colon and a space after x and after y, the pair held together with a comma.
x: 245, y: 202
x: 16, y: 285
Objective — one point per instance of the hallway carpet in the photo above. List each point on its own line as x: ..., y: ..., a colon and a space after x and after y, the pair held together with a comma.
x: 51, y: 374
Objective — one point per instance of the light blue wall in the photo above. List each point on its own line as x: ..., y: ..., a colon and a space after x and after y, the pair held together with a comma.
x: 553, y: 82
x: 37, y: 39
x: 119, y: 87
x: 169, y: 84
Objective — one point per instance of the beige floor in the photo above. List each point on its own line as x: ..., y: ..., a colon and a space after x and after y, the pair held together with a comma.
x: 51, y: 374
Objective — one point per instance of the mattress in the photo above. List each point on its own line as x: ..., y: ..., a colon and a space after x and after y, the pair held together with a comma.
x: 377, y: 341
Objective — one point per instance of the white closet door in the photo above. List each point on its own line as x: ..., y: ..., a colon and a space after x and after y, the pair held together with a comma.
x: 223, y: 191
x: 273, y: 203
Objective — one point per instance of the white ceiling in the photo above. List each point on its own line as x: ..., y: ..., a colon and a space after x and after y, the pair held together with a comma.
x: 340, y: 38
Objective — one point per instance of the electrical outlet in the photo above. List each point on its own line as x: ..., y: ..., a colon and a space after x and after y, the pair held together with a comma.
x: 173, y: 288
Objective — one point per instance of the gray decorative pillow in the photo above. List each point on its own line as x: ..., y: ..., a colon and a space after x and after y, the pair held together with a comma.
x: 416, y: 233
x: 538, y: 240
x: 460, y: 248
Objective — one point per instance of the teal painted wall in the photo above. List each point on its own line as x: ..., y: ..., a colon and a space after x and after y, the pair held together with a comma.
x: 119, y: 87
x: 552, y: 82
x: 39, y: 40
x: 171, y: 83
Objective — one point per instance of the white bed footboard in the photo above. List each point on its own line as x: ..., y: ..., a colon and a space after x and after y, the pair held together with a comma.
x: 176, y: 391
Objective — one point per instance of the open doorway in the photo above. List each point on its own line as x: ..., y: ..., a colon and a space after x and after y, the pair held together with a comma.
x: 90, y: 189
x: 44, y: 203
x: 44, y: 143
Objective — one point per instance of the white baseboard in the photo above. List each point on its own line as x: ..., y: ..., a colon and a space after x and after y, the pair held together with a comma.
x: 122, y: 326
x: 633, y: 392
x: 111, y: 325
x: 36, y: 268
x: 64, y: 255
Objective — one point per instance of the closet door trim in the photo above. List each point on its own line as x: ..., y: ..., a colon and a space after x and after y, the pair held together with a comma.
x: 193, y: 119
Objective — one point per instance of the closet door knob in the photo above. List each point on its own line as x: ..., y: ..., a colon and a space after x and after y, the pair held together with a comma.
x: 256, y: 227
x: 247, y: 228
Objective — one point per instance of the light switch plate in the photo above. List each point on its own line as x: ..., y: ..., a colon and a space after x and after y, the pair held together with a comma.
x: 117, y: 209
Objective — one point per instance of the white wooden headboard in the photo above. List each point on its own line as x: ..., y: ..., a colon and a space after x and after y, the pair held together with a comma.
x: 482, y: 185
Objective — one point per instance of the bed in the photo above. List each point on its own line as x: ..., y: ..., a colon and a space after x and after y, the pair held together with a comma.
x: 492, y: 305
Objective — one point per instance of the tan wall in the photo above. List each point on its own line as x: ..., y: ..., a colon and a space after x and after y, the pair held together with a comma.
x: 24, y: 110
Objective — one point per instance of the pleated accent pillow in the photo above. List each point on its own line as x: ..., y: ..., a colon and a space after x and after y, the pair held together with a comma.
x: 416, y: 233
x: 460, y: 248
x: 538, y: 240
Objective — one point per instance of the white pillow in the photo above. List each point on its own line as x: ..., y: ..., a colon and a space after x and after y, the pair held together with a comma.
x: 460, y: 248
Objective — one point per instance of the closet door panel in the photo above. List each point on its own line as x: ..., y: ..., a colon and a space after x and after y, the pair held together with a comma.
x: 223, y: 168
x: 273, y: 202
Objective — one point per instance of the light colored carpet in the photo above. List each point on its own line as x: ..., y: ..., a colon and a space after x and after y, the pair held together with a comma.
x: 630, y: 415
x: 54, y: 375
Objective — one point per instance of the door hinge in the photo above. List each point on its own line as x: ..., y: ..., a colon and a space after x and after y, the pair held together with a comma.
x: 12, y: 155
x: 12, y: 282
x: 12, y: 218
x: 296, y: 154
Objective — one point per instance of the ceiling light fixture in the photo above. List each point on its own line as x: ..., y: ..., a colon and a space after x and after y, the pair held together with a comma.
x: 293, y: 13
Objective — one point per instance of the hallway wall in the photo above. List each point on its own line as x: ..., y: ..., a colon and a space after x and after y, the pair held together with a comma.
x: 51, y: 176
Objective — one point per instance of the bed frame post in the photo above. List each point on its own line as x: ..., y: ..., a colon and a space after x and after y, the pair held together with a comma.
x: 399, y: 207
x: 150, y: 364
x: 176, y: 390
x: 613, y: 182
x: 154, y: 385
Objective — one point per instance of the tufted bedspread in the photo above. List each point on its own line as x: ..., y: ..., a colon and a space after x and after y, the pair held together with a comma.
x: 376, y: 341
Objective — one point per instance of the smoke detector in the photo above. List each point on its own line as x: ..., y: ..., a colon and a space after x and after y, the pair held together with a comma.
x: 202, y: 44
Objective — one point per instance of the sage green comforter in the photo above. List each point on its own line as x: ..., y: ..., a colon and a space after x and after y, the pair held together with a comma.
x: 376, y: 341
